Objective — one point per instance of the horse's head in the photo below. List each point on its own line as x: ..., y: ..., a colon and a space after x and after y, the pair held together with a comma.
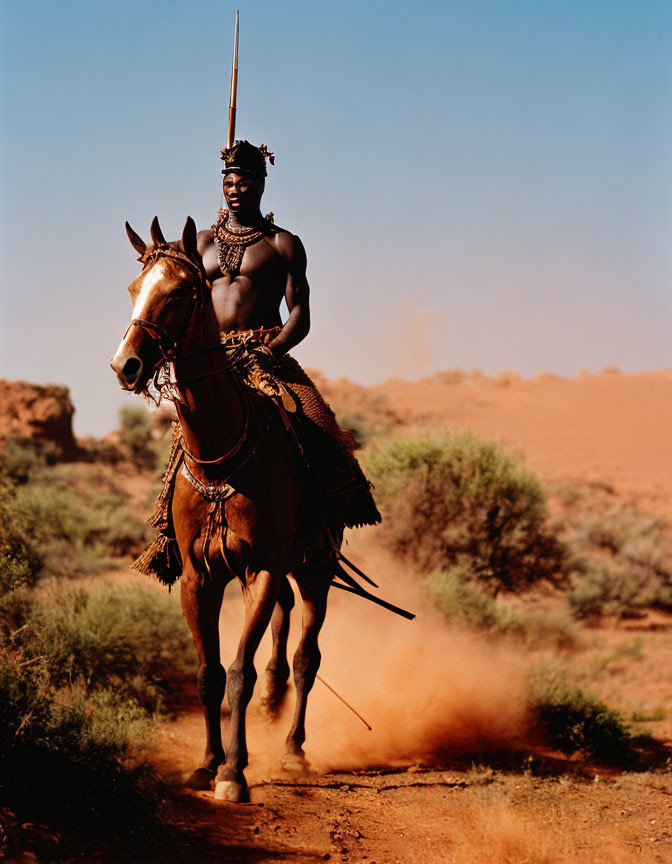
x: 164, y: 298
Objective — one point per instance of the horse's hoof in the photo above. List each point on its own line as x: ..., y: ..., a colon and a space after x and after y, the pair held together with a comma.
x: 229, y: 790
x: 296, y: 764
x: 202, y: 779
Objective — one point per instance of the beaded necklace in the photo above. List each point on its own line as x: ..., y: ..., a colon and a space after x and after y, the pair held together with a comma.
x: 231, y: 245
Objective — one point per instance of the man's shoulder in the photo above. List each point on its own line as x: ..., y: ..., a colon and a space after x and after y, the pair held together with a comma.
x: 205, y: 235
x: 204, y: 239
x: 287, y: 244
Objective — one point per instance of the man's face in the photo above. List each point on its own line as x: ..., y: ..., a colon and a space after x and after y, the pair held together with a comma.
x: 242, y: 192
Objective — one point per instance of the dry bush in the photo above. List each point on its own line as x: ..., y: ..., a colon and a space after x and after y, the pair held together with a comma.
x: 135, y: 435
x: 620, y: 562
x: 66, y: 519
x: 507, y: 378
x: 367, y: 418
x: 66, y: 760
x: 461, y: 600
x: 83, y: 674
x: 574, y: 719
x: 20, y: 562
x: 450, y: 499
x: 364, y: 426
x: 129, y: 637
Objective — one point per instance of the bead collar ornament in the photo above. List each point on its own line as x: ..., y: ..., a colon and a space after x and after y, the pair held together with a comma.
x: 231, y: 245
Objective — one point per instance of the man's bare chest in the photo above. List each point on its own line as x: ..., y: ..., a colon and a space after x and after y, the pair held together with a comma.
x: 260, y: 264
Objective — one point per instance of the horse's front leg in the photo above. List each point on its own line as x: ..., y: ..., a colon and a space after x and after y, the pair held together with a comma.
x: 276, y: 673
x: 201, y: 603
x: 260, y: 592
x: 314, y: 582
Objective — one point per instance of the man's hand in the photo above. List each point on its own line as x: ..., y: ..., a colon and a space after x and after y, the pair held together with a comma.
x: 265, y: 357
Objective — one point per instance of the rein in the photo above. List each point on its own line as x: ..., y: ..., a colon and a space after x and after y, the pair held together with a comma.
x: 236, y: 447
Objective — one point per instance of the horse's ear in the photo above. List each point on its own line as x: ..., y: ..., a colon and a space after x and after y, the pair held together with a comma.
x: 156, y: 232
x: 136, y: 240
x: 189, y: 243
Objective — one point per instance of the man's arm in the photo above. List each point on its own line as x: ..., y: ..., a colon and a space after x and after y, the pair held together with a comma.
x: 296, y: 295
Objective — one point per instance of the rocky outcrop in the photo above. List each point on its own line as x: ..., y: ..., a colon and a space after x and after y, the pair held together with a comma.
x: 40, y: 412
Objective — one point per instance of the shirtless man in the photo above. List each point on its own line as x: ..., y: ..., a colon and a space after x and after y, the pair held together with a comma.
x: 252, y: 265
x: 247, y: 294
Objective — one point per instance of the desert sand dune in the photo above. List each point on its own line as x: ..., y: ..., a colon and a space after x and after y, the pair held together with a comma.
x: 613, y: 427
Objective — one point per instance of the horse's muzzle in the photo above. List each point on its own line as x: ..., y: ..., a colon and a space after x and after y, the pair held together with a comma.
x: 128, y: 369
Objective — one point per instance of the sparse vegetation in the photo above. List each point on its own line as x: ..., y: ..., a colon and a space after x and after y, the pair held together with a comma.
x: 480, y: 775
x: 374, y: 420
x: 65, y: 757
x: 129, y: 637
x: 621, y: 563
x: 65, y: 520
x: 574, y: 719
x: 135, y: 438
x: 20, y: 562
x: 461, y: 599
x: 82, y: 678
x: 86, y: 665
x: 649, y: 715
x: 85, y: 668
x: 452, y: 500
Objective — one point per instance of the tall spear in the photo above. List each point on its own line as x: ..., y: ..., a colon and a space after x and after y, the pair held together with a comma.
x: 234, y: 88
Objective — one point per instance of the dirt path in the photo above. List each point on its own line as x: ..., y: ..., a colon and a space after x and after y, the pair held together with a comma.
x: 428, y: 690
x: 416, y: 815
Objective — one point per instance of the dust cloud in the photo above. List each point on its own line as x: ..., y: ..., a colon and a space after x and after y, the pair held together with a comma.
x: 495, y: 832
x: 428, y: 690
x: 405, y: 342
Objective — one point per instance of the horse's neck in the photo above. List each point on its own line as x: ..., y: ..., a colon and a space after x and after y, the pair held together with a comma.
x: 211, y: 411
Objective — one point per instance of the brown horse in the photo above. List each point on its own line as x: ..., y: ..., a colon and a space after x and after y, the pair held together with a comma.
x: 244, y: 458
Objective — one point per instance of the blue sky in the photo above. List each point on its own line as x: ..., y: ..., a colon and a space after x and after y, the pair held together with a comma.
x: 478, y: 184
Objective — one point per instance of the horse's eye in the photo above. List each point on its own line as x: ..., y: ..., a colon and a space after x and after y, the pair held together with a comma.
x: 177, y: 294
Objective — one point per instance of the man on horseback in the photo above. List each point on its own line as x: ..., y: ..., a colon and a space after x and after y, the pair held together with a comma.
x: 261, y: 480
x: 252, y: 265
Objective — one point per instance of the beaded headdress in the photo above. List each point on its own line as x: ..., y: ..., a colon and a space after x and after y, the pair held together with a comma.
x: 245, y: 157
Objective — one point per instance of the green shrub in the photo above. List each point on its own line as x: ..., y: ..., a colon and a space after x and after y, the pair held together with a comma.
x: 83, y: 673
x: 136, y: 423
x: 462, y: 600
x: 574, y: 719
x: 621, y: 562
x: 77, y: 536
x: 130, y: 637
x: 65, y: 759
x: 451, y: 499
x: 20, y: 562
x: 22, y: 459
x: 375, y: 419
x: 60, y: 519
